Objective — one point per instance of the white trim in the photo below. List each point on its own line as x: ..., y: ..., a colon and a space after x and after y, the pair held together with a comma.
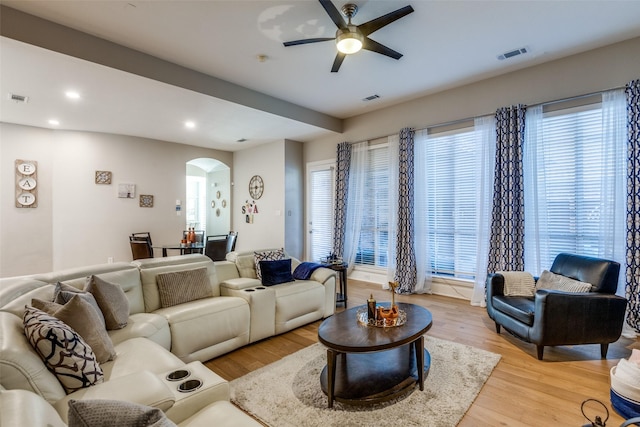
x: 454, y: 288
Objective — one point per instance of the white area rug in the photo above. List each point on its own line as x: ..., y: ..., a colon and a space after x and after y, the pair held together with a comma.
x: 287, y: 393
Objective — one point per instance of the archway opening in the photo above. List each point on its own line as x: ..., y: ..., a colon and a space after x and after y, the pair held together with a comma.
x: 208, y: 202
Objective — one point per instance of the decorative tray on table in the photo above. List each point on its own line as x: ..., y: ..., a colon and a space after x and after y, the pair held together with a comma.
x: 363, y: 318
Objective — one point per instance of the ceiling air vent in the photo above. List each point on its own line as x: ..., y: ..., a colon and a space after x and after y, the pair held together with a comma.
x: 371, y: 98
x: 18, y: 98
x: 513, y: 53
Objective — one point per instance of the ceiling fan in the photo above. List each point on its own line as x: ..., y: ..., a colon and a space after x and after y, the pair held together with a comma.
x: 351, y: 38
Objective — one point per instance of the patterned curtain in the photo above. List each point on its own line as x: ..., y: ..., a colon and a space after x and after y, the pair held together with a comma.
x: 343, y: 161
x: 506, y: 244
x: 633, y: 205
x: 406, y: 270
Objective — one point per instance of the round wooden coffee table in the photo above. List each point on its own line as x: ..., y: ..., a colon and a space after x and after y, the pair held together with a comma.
x: 368, y: 364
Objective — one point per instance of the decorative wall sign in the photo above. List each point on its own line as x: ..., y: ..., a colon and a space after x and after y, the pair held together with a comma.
x: 26, y: 183
x: 146, y: 201
x: 256, y: 187
x: 127, y: 191
x: 103, y: 177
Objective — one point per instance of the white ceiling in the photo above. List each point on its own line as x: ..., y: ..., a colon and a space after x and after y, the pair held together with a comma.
x: 445, y: 44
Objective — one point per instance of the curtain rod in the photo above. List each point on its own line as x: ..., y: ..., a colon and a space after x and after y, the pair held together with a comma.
x: 457, y: 121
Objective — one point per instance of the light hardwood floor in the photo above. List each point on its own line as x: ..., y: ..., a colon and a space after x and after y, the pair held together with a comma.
x: 521, y: 391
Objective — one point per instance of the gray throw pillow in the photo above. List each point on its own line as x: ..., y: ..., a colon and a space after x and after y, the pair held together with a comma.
x: 183, y: 286
x: 62, y: 293
x: 85, y: 320
x: 112, y: 302
x: 115, y: 413
x: 62, y: 349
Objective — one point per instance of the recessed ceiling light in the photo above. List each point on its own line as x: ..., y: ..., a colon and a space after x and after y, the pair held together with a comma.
x: 54, y: 122
x: 72, y: 94
x: 189, y: 124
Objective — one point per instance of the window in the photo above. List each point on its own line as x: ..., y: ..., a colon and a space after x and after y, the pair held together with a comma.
x: 452, y: 162
x: 196, y: 210
x: 573, y: 168
x: 320, y: 179
x: 374, y: 234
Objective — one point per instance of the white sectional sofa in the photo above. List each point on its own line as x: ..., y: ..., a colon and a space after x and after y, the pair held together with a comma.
x: 160, y: 339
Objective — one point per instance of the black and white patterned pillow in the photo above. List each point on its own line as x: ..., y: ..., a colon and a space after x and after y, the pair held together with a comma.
x: 64, y: 352
x: 274, y: 255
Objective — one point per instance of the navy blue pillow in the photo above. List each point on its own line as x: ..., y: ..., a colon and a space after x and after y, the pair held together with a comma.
x: 276, y: 272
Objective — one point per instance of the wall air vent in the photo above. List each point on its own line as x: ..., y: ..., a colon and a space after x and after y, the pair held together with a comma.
x: 18, y: 98
x: 513, y: 53
x: 371, y: 98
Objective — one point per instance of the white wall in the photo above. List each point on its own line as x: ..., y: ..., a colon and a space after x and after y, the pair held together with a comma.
x: 592, y: 71
x: 78, y: 222
x: 267, y: 230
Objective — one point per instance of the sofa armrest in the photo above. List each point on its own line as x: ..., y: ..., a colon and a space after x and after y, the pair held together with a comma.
x: 322, y: 274
x: 577, y: 318
x: 142, y: 387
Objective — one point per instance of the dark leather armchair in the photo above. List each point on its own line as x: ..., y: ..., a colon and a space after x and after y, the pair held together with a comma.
x: 554, y: 317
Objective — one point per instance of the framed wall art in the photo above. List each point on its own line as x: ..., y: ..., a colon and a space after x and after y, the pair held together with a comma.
x: 146, y: 200
x: 126, y: 191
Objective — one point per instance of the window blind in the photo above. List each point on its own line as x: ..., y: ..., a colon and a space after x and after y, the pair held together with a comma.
x: 571, y: 165
x: 321, y: 213
x: 452, y: 162
x: 374, y: 236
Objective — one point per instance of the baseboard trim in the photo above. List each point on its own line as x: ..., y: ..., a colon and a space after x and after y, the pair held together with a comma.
x: 446, y: 287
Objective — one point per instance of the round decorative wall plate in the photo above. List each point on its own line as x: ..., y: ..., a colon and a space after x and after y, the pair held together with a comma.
x: 256, y: 187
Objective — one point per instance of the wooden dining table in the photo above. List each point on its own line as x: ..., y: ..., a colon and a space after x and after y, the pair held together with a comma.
x: 184, y: 249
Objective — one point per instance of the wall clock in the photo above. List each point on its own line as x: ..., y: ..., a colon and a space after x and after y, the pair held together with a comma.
x: 26, y: 184
x: 256, y: 187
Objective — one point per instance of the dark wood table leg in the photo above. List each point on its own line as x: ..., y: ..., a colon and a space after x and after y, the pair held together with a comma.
x: 331, y: 374
x: 419, y: 348
x: 343, y: 285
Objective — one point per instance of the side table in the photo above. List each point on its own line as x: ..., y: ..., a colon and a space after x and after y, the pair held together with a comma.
x: 342, y: 268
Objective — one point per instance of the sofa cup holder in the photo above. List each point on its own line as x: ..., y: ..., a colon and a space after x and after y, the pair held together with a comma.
x: 178, y: 375
x: 190, y: 385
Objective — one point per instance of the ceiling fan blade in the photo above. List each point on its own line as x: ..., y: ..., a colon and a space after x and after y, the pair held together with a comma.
x: 307, y: 41
x: 338, y: 62
x: 374, y: 46
x: 333, y: 13
x: 375, y: 24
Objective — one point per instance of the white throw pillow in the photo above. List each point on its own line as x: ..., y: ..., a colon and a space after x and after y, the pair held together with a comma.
x: 518, y: 284
x: 558, y: 282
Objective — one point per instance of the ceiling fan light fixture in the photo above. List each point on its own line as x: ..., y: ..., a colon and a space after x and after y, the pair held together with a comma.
x: 349, y: 40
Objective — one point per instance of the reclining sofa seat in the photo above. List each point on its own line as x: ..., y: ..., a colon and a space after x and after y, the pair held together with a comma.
x: 554, y: 317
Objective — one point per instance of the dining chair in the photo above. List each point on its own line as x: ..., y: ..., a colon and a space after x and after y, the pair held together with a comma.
x: 231, y: 241
x: 143, y: 237
x: 140, y: 249
x: 215, y: 247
